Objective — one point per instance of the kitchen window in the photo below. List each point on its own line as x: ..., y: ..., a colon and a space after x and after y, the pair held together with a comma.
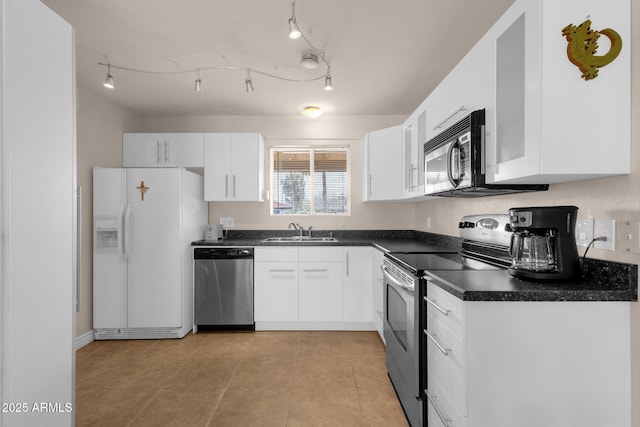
x: 309, y: 181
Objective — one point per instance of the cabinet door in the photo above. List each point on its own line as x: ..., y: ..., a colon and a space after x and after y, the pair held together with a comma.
x: 356, y: 284
x: 413, y: 147
x: 276, y: 291
x: 145, y: 149
x: 383, y: 178
x: 320, y: 291
x: 186, y: 150
x: 247, y: 159
x: 217, y: 166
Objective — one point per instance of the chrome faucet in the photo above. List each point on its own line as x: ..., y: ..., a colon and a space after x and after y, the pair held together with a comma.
x: 296, y: 227
x: 309, y: 230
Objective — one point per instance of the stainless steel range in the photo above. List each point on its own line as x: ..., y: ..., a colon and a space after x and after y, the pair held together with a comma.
x: 485, y: 245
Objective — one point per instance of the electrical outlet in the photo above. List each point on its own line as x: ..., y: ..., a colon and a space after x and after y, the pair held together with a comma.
x: 628, y: 236
x: 605, y: 228
x: 227, y: 221
x: 584, y: 231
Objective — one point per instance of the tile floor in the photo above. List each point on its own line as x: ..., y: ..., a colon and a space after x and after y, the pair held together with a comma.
x: 237, y: 379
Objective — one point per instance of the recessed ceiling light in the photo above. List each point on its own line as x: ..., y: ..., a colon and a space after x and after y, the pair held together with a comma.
x: 311, y: 112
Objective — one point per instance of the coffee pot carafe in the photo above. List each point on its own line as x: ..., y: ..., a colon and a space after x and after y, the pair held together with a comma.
x: 543, y: 243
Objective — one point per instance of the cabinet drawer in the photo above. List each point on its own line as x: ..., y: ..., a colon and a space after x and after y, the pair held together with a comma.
x: 317, y: 253
x: 449, y: 369
x: 275, y: 253
x: 440, y: 410
x: 447, y: 308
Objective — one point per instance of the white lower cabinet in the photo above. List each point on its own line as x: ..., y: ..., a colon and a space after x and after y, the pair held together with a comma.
x: 313, y: 288
x: 356, y: 284
x: 276, y: 291
x: 527, y: 364
x: 377, y: 289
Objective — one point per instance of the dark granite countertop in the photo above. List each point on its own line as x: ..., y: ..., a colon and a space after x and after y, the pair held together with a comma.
x: 619, y: 283
x: 601, y: 280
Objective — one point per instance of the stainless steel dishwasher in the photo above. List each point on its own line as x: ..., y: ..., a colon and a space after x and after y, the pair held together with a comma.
x: 223, y: 288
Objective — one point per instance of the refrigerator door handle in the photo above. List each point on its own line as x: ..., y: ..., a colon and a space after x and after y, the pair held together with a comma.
x: 125, y: 231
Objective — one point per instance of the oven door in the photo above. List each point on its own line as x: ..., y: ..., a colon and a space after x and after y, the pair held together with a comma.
x: 401, y: 328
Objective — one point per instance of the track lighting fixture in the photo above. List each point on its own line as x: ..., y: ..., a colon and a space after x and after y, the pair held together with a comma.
x: 310, y: 59
x: 294, y: 31
x: 247, y: 82
x: 108, y: 81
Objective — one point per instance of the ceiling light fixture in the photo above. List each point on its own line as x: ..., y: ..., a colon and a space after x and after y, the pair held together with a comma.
x: 309, y: 60
x: 108, y: 81
x: 247, y: 82
x: 312, y: 112
x: 294, y: 31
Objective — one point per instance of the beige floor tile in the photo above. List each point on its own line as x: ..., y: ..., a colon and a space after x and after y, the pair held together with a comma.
x: 265, y: 372
x: 337, y: 406
x: 105, y: 407
x: 370, y: 371
x: 204, y: 372
x: 224, y: 344
x: 274, y: 344
x: 247, y: 407
x: 323, y: 371
x: 381, y: 407
x: 185, y: 407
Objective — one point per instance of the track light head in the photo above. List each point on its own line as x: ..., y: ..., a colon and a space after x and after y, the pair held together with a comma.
x: 248, y: 83
x: 328, y: 85
x: 294, y: 31
x: 108, y: 80
x: 198, y: 85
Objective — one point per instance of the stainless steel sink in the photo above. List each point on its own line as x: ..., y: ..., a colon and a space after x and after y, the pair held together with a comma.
x: 298, y: 239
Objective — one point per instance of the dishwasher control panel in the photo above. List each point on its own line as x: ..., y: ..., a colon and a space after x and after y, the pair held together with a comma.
x: 222, y: 253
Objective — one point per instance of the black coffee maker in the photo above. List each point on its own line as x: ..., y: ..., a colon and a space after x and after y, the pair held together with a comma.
x: 543, y: 243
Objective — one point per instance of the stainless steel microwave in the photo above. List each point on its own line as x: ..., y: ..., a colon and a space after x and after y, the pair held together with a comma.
x: 454, y: 162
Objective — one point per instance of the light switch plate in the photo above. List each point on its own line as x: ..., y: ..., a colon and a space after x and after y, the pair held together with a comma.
x: 584, y: 231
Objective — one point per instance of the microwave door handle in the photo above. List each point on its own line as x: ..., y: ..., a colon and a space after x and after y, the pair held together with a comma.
x: 454, y: 181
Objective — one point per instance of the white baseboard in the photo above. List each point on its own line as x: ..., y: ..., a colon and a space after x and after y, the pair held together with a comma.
x: 84, y: 339
x: 315, y: 326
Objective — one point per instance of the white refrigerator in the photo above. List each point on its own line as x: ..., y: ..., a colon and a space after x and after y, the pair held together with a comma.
x: 144, y: 221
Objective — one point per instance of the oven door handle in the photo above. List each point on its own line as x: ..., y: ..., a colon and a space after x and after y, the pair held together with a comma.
x: 396, y: 281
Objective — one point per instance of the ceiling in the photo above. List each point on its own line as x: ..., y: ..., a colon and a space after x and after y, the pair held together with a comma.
x: 386, y: 56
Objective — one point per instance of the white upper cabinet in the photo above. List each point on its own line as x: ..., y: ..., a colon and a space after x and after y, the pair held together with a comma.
x: 414, y: 137
x: 233, y: 167
x: 382, y: 163
x: 468, y: 87
x: 551, y: 125
x: 163, y: 150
